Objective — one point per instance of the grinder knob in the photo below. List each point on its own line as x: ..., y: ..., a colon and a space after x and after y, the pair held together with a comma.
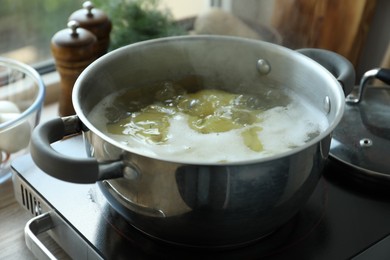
x: 95, y: 21
x: 73, y: 49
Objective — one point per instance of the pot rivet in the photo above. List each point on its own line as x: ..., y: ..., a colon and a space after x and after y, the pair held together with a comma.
x: 263, y: 66
x: 365, y: 142
x: 130, y: 173
x: 327, y: 104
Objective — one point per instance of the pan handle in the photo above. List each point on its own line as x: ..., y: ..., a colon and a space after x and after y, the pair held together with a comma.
x: 63, y: 167
x: 341, y: 68
x: 378, y: 73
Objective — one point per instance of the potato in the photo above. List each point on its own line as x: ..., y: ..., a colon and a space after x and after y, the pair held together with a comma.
x: 150, y: 125
x: 245, y: 117
x: 212, y: 124
x: 205, y: 102
x: 251, y: 138
x: 208, y: 111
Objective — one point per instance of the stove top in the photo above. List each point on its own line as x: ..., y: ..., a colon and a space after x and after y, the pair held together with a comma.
x: 343, y: 219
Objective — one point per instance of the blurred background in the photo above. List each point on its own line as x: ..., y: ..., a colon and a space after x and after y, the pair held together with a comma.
x: 356, y: 29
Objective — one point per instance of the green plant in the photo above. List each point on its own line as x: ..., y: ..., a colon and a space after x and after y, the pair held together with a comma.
x: 137, y: 20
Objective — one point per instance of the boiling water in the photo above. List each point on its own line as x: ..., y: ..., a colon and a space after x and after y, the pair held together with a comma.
x: 279, y: 129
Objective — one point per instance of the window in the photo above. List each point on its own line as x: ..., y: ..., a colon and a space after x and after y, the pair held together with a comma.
x: 357, y: 29
x: 26, y: 27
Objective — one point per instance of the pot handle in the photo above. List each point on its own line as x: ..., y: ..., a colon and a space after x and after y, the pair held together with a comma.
x: 63, y: 167
x: 341, y: 68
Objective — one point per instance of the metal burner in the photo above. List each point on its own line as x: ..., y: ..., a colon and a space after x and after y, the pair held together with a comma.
x: 336, y: 223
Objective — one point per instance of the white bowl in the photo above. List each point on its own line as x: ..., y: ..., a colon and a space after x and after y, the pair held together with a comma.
x: 22, y: 93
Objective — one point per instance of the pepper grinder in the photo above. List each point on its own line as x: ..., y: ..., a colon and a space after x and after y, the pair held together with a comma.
x: 95, y: 21
x: 74, y: 49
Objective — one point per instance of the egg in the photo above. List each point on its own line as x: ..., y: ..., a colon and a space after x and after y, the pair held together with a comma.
x: 15, y: 137
x: 8, y: 107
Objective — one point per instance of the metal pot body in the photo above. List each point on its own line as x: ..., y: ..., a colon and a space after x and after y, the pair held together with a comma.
x: 202, y: 204
x: 212, y: 205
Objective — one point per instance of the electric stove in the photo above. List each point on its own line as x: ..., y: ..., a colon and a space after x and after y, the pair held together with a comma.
x: 345, y: 218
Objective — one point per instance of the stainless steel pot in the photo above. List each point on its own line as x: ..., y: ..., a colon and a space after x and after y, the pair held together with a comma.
x: 202, y: 205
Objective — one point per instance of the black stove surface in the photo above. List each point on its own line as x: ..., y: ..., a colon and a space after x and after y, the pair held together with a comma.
x: 342, y: 219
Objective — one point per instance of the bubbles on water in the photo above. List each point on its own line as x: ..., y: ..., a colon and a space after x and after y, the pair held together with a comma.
x: 280, y: 127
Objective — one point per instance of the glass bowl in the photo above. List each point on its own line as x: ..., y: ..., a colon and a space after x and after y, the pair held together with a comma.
x: 22, y: 94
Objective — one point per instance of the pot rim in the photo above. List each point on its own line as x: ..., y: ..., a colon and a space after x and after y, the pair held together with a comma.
x: 335, y: 86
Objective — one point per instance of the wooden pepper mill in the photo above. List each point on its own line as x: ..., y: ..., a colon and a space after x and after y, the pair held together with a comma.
x: 95, y: 21
x: 74, y: 49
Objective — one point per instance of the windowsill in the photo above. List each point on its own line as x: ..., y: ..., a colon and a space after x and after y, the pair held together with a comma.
x: 52, y: 83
